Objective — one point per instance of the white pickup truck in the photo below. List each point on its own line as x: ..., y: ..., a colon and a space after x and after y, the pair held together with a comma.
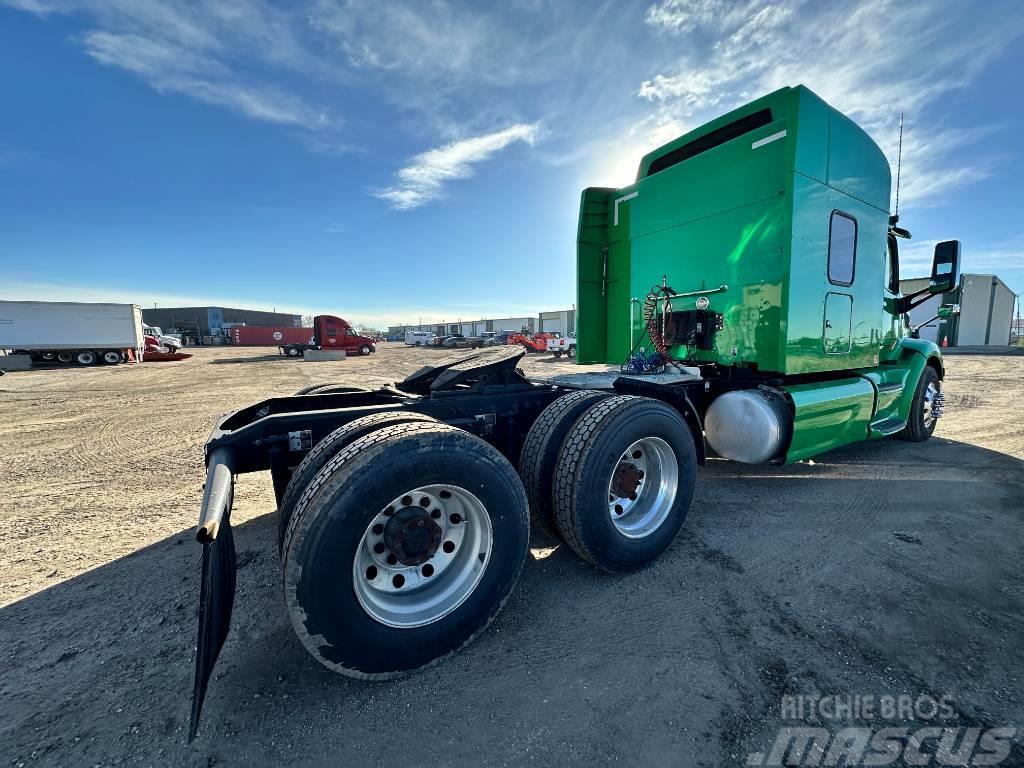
x: 563, y: 345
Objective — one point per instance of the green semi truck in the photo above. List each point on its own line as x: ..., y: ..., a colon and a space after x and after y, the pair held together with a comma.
x: 747, y: 284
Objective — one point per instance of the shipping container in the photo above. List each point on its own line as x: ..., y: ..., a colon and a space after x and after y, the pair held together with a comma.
x: 269, y: 335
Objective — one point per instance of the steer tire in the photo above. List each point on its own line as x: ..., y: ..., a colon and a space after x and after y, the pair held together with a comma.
x: 917, y: 431
x: 293, y: 351
x: 326, y: 450
x: 326, y: 534
x: 365, y: 350
x: 541, y: 449
x: 590, y: 454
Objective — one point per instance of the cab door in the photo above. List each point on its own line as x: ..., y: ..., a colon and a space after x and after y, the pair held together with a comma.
x: 837, y: 330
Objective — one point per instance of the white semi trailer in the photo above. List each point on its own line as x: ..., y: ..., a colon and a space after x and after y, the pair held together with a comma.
x: 72, y: 332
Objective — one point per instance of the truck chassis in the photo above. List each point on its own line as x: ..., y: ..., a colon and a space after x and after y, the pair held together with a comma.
x: 480, y: 393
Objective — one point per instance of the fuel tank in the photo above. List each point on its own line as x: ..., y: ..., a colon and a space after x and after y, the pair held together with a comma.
x: 752, y: 426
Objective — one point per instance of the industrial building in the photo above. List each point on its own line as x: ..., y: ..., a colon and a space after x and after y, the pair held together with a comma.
x: 986, y: 310
x: 559, y: 321
x: 213, y: 321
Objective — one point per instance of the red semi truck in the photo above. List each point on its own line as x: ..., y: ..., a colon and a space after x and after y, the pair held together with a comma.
x: 330, y: 332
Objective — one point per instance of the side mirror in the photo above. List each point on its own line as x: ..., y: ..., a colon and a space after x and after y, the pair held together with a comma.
x: 945, y: 267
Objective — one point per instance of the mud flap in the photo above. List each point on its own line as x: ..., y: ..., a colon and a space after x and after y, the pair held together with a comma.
x: 217, y: 582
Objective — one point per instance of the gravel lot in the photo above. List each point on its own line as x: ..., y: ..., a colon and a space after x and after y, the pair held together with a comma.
x: 880, y: 569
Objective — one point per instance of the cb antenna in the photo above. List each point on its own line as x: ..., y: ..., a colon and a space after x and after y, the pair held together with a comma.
x: 899, y: 162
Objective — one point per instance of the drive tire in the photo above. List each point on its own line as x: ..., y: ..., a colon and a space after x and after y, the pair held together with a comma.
x: 86, y: 357
x: 111, y: 357
x: 329, y: 524
x: 592, y: 450
x: 65, y: 357
x: 293, y: 351
x: 541, y: 449
x: 917, y: 429
x: 332, y: 388
x: 326, y: 450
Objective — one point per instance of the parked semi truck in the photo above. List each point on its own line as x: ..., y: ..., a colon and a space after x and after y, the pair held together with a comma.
x: 751, y: 275
x: 330, y: 332
x: 71, y: 332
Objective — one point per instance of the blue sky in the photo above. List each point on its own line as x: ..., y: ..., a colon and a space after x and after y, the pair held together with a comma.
x: 393, y: 160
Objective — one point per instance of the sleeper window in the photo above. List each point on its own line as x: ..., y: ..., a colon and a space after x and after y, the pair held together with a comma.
x: 842, y: 248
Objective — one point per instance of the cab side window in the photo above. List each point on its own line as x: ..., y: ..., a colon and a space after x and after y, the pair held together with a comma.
x: 842, y: 248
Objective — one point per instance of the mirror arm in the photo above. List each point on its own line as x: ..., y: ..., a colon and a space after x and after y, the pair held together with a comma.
x: 906, y: 303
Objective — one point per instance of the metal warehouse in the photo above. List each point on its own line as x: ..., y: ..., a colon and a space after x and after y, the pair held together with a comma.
x: 210, y: 321
x: 986, y: 310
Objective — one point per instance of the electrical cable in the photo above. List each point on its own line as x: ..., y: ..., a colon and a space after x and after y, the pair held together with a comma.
x: 638, y: 361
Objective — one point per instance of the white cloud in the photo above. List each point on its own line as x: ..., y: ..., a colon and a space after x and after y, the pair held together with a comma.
x: 682, y: 16
x: 222, y: 53
x: 871, y: 60
x: 167, y: 67
x: 1004, y: 258
x: 424, y: 179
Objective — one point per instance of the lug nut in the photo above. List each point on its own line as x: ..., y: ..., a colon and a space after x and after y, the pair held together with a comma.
x: 406, y: 501
x: 448, y: 546
x: 455, y: 518
x: 371, y: 573
x: 445, y: 494
x: 618, y: 509
x: 637, y: 454
x: 378, y: 529
x: 379, y: 547
x: 436, y: 514
x: 392, y: 560
x: 424, y: 502
x: 427, y: 570
x: 398, y: 581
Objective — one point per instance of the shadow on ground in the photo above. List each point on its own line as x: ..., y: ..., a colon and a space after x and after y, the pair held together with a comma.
x: 884, y: 568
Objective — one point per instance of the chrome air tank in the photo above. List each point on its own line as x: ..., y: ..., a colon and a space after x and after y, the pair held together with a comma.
x: 749, y: 425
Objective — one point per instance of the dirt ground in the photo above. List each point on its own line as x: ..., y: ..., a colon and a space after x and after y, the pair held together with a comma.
x: 887, y: 568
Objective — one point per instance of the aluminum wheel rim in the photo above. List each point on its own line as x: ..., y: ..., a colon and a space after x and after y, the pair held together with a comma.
x: 652, y: 463
x: 930, y: 393
x: 405, y: 596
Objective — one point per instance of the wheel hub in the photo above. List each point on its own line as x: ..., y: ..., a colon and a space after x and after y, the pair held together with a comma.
x: 642, y: 487
x: 626, y: 480
x: 412, y: 536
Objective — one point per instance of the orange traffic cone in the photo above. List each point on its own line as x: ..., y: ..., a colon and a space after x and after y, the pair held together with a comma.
x: 945, y: 341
